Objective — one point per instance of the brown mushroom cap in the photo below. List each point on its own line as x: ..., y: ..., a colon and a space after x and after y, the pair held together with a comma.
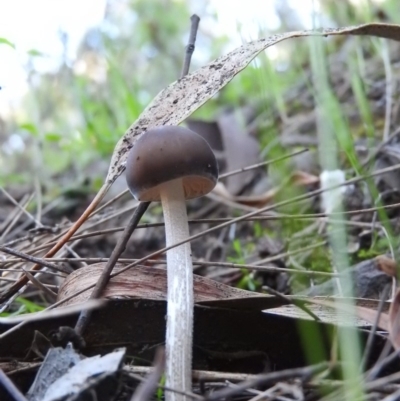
x: 166, y: 153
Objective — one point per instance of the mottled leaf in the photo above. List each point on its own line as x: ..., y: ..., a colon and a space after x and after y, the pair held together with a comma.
x: 180, y: 99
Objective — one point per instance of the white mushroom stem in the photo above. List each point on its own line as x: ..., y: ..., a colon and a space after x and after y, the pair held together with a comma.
x: 180, y: 302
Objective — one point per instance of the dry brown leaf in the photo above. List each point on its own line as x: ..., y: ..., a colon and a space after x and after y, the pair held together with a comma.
x: 394, y: 320
x: 387, y: 265
x: 142, y: 283
x: 251, y: 200
x: 241, y: 150
x: 297, y: 178
x: 363, y: 312
x: 329, y: 314
x: 180, y: 99
x: 89, y: 304
x: 233, y: 146
x: 370, y: 316
x: 303, y: 178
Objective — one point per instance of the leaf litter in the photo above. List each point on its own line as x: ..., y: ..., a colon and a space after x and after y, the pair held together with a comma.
x: 179, y: 100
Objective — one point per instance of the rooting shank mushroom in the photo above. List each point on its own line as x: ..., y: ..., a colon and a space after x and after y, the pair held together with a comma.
x: 172, y: 164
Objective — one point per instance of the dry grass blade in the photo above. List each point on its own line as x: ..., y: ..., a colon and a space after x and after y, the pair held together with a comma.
x: 228, y: 223
x: 266, y: 379
x: 33, y: 259
x: 13, y: 218
x: 105, y: 276
x: 146, y: 389
x: 52, y: 313
x: 40, y: 286
x: 24, y: 279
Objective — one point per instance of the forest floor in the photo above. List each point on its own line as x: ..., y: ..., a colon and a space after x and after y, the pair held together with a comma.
x: 269, y: 319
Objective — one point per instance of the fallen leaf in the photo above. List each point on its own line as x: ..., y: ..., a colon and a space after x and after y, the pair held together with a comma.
x: 365, y: 309
x: 387, y: 265
x: 181, y: 98
x: 142, y: 283
x: 394, y: 321
x: 297, y: 178
x: 233, y: 146
x: 241, y: 150
x: 303, y: 178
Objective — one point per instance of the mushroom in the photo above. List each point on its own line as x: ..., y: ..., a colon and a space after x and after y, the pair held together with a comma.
x: 172, y: 164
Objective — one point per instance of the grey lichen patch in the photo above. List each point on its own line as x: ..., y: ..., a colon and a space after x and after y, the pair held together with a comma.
x: 180, y: 99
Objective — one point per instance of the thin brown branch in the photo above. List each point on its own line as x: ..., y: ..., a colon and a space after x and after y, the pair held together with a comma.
x: 147, y: 388
x: 305, y: 373
x: 262, y: 164
x: 105, y: 275
x: 195, y: 20
x: 33, y: 259
x: 24, y: 279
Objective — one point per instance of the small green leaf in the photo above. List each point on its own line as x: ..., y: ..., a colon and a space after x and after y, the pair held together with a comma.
x: 4, y: 41
x: 29, y: 305
x: 52, y: 137
x: 30, y: 128
x: 160, y: 390
x: 35, y: 53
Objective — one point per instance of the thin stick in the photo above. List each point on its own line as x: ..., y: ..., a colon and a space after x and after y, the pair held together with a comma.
x: 228, y: 265
x: 219, y: 220
x: 24, y: 279
x: 102, y: 207
x: 379, y: 148
x: 21, y: 209
x: 254, y: 215
x: 267, y: 379
x: 291, y: 301
x: 42, y: 272
x: 262, y: 210
x: 195, y: 20
x: 266, y: 163
x: 105, y: 275
x: 10, y: 387
x: 41, y: 286
x: 218, y: 227
x: 371, y: 335
x: 30, y: 258
x: 146, y: 389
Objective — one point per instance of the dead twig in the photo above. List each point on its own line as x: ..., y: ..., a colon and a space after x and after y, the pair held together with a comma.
x: 266, y: 379
x: 371, y: 335
x: 30, y: 258
x: 105, y: 275
x: 290, y: 301
x: 195, y: 20
x: 146, y: 389
x: 10, y: 387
